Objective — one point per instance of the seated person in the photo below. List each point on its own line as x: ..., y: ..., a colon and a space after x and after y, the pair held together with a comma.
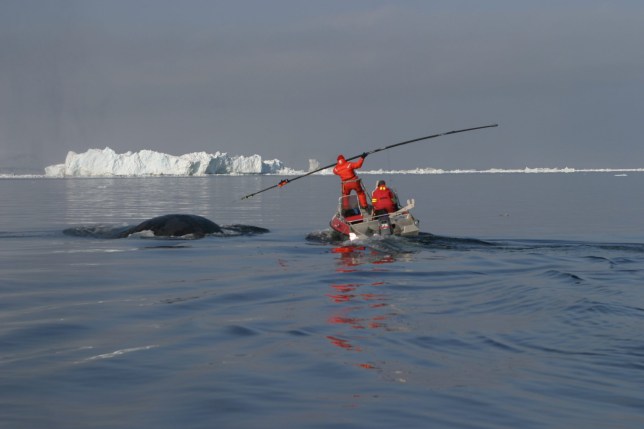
x: 383, y: 199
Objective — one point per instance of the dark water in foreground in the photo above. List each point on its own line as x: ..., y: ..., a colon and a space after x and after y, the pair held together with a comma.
x: 526, y: 311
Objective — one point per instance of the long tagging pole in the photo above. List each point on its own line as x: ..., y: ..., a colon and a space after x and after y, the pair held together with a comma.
x: 286, y: 181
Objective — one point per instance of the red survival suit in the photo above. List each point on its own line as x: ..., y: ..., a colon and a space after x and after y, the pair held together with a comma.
x: 383, y: 199
x: 350, y: 181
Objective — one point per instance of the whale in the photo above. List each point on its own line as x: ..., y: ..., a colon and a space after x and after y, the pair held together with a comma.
x: 170, y: 225
x: 175, y: 225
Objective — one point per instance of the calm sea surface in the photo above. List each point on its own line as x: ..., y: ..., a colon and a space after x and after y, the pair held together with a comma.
x: 524, y: 310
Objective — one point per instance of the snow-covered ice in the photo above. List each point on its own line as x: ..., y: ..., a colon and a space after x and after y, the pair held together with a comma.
x: 106, y: 162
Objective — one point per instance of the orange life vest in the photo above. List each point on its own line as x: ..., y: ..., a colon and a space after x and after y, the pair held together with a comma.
x: 383, y: 199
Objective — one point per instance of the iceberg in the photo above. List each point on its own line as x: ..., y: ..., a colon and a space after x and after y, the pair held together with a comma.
x: 106, y: 163
x: 314, y: 164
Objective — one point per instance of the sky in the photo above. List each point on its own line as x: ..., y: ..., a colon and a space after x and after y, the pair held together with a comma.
x: 301, y: 79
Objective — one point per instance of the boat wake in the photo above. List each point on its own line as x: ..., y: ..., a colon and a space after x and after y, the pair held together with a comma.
x: 395, y: 245
x: 423, y: 239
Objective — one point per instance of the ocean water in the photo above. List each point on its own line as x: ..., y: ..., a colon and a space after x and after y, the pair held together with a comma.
x: 525, y: 307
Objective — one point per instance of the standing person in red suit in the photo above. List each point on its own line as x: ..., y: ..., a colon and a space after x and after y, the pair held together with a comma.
x: 350, y: 181
x: 383, y: 199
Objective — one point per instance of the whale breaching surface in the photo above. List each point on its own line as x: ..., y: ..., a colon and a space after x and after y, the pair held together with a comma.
x: 170, y: 225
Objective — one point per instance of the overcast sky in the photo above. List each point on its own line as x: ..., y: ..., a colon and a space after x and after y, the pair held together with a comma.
x: 308, y: 79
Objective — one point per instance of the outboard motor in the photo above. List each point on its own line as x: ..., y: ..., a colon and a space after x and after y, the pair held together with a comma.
x: 385, y: 226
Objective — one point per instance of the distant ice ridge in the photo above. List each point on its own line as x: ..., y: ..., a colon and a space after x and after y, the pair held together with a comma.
x: 106, y: 162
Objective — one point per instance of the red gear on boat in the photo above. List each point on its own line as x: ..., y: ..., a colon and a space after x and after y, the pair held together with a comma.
x: 350, y: 181
x: 383, y: 198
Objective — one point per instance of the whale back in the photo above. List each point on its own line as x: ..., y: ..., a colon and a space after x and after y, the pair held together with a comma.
x: 176, y: 225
